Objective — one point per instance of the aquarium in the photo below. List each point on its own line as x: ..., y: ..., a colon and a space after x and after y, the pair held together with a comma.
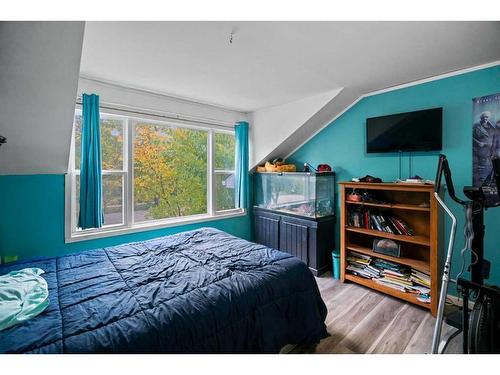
x: 298, y: 193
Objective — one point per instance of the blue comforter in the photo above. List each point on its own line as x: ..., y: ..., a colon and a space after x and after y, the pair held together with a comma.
x: 202, y: 291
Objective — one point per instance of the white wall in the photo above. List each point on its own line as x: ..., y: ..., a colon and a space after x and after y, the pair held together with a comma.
x: 119, y: 95
x: 272, y: 126
x: 39, y: 66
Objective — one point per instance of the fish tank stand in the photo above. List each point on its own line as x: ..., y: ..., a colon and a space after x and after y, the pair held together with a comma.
x: 295, y: 212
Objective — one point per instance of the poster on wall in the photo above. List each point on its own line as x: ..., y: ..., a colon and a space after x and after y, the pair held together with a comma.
x: 485, y: 140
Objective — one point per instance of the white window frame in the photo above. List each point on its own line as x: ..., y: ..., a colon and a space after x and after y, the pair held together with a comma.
x: 72, y: 234
x: 216, y: 171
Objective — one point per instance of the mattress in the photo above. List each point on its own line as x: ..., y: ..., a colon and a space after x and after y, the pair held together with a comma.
x: 202, y: 291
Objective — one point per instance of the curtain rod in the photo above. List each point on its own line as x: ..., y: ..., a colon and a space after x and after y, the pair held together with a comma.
x: 171, y: 116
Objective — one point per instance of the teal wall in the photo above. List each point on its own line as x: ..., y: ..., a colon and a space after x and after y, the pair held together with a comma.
x: 32, y: 220
x: 342, y: 143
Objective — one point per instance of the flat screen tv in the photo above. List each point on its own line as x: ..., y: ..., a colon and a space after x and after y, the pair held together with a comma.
x: 410, y: 131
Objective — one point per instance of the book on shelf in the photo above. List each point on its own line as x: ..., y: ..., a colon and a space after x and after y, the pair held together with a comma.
x: 390, y: 285
x: 359, y: 255
x: 376, y: 271
x: 420, y: 289
x: 420, y: 282
x: 420, y: 274
x: 390, y: 266
x: 394, y: 273
x: 375, y: 223
x: 360, y: 217
x: 398, y: 281
x: 384, y: 223
x: 396, y: 226
x: 424, y: 298
x: 358, y: 260
x: 359, y: 271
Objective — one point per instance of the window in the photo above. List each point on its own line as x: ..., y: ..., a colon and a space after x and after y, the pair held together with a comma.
x: 113, y: 172
x: 170, y: 171
x: 156, y: 173
x: 224, y: 171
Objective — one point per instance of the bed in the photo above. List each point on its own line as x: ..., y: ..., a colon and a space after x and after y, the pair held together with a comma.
x: 202, y: 291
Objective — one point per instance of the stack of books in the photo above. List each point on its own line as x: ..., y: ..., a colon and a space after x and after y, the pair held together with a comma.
x: 365, y: 218
x: 359, y: 265
x: 391, y: 275
x: 420, y: 278
x: 423, y: 281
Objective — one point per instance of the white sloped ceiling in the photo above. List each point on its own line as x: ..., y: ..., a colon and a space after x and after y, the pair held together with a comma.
x: 272, y: 126
x: 39, y: 67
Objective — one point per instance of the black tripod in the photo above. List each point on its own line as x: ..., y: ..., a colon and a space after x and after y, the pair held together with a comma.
x: 480, y: 327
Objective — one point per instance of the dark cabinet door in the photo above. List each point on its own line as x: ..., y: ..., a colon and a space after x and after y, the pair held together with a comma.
x: 267, y: 229
x: 294, y: 239
x: 310, y: 240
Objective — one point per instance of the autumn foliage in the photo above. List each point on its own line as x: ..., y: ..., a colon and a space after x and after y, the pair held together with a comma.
x: 170, y: 169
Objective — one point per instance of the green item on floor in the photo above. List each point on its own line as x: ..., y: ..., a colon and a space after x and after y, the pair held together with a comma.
x: 23, y: 295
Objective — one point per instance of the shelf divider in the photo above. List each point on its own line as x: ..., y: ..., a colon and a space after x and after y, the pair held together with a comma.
x: 410, y: 297
x: 419, y: 240
x: 398, y: 206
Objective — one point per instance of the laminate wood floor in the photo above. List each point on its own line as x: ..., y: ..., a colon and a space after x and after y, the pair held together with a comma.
x: 361, y: 320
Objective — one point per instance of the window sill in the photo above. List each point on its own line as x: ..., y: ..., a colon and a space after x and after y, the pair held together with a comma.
x: 157, y: 224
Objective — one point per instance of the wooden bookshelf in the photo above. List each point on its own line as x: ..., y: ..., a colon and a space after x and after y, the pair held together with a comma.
x: 417, y: 206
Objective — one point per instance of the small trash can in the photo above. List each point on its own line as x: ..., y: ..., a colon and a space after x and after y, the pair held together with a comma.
x: 336, y: 264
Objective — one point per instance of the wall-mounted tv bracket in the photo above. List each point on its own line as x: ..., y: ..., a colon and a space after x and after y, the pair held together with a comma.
x: 410, y: 164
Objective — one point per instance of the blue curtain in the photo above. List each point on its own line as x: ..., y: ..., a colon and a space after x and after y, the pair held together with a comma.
x: 241, y: 172
x: 91, y: 211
